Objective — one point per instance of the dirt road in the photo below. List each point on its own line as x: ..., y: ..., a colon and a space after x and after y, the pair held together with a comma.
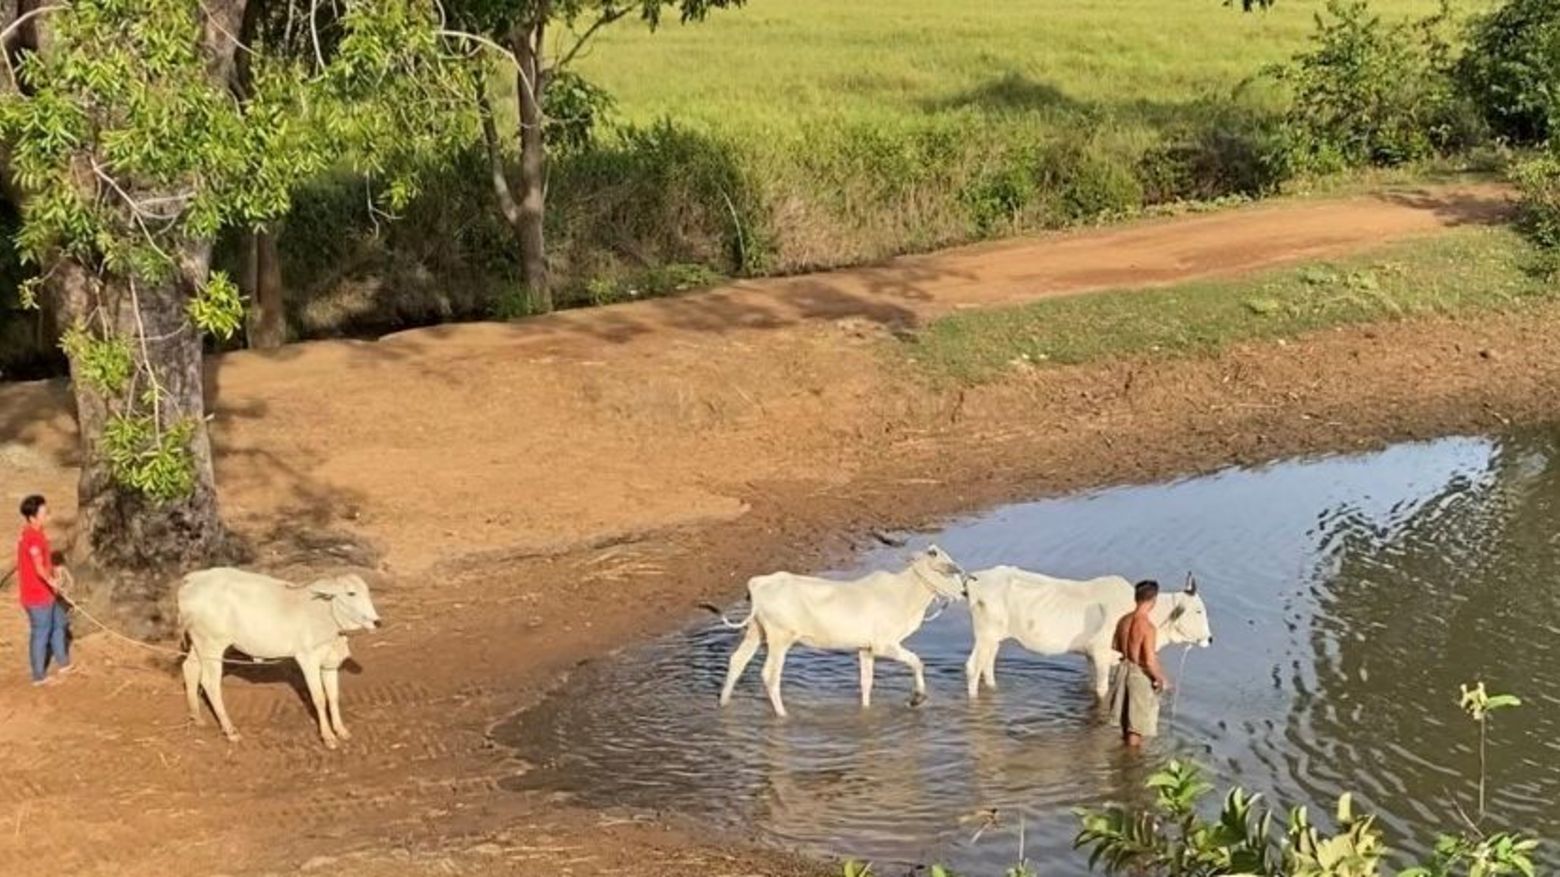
x: 535, y: 495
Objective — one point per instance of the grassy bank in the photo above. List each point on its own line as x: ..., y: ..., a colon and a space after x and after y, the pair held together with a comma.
x: 1463, y: 271
x: 795, y: 135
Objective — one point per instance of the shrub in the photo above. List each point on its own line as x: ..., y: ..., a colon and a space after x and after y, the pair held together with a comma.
x: 656, y: 195
x: 1538, y: 182
x: 996, y: 198
x: 573, y: 107
x: 1228, y: 149
x: 1085, y: 181
x: 1512, y: 69
x: 1368, y: 93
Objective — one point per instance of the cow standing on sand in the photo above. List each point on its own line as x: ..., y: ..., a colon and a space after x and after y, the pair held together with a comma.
x: 871, y: 616
x: 1052, y: 616
x: 268, y: 618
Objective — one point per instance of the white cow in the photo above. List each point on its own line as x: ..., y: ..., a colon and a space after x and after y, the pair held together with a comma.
x: 269, y: 618
x: 1059, y: 616
x: 870, y: 616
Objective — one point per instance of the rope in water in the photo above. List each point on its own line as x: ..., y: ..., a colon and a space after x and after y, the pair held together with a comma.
x: 1180, y: 676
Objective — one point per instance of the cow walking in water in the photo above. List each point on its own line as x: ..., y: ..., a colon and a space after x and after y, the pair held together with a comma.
x: 870, y: 616
x: 1052, y: 616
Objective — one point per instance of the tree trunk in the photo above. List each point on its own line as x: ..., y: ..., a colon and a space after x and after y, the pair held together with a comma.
x: 262, y: 268
x: 529, y: 88
x: 121, y: 528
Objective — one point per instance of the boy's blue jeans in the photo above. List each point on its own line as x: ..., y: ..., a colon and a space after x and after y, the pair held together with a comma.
x: 48, y: 636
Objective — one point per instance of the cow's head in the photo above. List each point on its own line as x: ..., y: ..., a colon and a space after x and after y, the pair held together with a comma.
x: 350, y: 604
x: 1188, y: 620
x: 946, y: 577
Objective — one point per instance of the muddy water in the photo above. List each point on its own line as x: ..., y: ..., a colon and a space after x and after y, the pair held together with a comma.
x: 1349, y: 597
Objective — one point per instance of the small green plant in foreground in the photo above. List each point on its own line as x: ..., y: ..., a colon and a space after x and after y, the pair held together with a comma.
x: 1173, y: 838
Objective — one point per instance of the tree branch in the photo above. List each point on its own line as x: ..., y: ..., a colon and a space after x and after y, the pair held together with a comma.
x: 219, y: 27
x: 487, y: 43
x: 314, y: 33
x: 506, y: 196
x: 10, y: 31
x: 605, y: 19
x: 136, y: 211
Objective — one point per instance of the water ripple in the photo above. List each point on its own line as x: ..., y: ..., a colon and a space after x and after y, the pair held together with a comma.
x: 1350, y: 597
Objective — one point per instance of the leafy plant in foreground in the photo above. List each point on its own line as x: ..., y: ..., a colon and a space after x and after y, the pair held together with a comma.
x: 1173, y: 839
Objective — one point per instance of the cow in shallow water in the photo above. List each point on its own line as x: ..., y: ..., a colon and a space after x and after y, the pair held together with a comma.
x: 870, y: 616
x: 1054, y: 616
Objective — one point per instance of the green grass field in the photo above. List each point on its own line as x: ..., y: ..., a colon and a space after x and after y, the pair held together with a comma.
x: 1460, y: 272
x: 804, y: 134
x: 783, y: 66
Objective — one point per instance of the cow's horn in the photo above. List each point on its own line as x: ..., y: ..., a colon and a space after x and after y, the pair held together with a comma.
x: 1191, y: 583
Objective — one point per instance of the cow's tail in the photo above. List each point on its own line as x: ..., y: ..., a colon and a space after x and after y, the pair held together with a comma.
x: 185, y: 644
x: 734, y: 625
x: 184, y: 632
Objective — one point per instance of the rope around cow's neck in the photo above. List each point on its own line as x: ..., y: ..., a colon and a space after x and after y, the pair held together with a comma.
x: 941, y: 600
x: 941, y: 603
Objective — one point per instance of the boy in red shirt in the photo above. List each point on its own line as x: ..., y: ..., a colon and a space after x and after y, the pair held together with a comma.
x: 39, y: 590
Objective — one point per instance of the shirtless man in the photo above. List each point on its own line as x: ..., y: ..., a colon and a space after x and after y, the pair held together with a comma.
x: 1138, y: 680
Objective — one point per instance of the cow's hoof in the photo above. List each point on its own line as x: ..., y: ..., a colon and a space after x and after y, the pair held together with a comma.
x: 917, y: 699
x: 233, y: 736
x: 197, y: 722
x: 343, y: 734
x: 330, y: 742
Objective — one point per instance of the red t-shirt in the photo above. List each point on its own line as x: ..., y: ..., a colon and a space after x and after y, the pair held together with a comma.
x: 33, y: 590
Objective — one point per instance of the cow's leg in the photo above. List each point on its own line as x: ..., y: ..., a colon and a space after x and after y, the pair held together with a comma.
x: 904, y: 656
x: 331, y: 676
x: 866, y: 658
x: 988, y: 670
x: 739, y: 660
x: 311, y: 677
x: 211, y: 681
x: 774, y: 666
x: 982, y: 664
x: 973, y: 668
x: 192, y: 687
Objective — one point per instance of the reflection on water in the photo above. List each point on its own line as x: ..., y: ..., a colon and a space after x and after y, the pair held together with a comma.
x: 1349, y: 597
